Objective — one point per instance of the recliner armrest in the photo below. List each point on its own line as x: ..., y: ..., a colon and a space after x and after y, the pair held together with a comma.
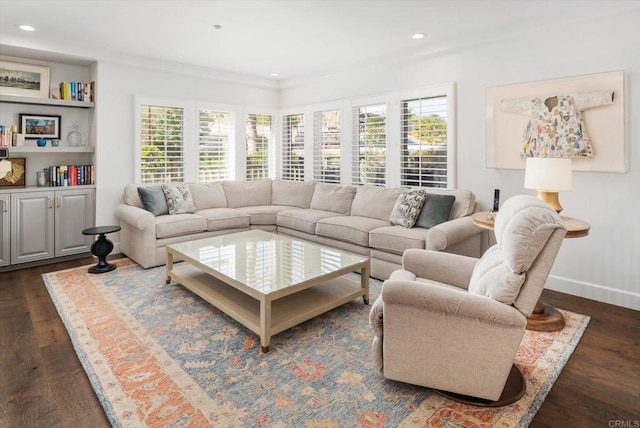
x: 451, y: 232
x: 448, y: 268
x: 447, y: 301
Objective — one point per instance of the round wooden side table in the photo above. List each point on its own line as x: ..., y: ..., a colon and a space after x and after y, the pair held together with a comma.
x: 544, y: 317
x: 101, y: 247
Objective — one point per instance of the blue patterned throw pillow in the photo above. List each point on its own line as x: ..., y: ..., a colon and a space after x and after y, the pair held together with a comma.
x: 407, y: 208
x: 179, y: 199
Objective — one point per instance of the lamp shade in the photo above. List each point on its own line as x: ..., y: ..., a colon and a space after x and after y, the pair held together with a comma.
x: 548, y: 174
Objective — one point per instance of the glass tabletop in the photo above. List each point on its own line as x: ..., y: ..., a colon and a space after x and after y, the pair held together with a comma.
x: 265, y: 261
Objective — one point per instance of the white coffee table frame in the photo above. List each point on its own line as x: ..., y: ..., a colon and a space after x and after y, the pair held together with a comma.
x: 266, y: 312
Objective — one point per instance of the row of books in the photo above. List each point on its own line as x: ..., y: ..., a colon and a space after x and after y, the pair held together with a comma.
x: 77, y: 91
x: 8, y: 135
x: 70, y: 175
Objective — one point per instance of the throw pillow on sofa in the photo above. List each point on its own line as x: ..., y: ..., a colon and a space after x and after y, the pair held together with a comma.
x: 179, y: 199
x: 407, y: 208
x: 436, y: 210
x: 153, y: 200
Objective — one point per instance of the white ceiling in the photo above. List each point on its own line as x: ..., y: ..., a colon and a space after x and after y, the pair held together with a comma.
x: 295, y: 38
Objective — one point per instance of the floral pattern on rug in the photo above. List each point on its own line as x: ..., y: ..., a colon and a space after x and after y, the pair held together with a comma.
x: 158, y: 355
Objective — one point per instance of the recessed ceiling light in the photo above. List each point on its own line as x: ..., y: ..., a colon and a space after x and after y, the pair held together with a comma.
x: 26, y: 27
x: 217, y: 26
x: 418, y: 36
x: 274, y: 74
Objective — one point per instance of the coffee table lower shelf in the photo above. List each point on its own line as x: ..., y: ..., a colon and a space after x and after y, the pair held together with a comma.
x: 267, y: 317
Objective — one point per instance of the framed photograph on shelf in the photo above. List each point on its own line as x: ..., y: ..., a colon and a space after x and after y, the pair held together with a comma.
x: 39, y: 125
x: 12, y: 172
x: 25, y: 80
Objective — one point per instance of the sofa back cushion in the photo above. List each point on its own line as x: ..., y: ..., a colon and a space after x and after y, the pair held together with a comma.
x: 208, y: 195
x: 330, y: 197
x: 374, y: 202
x: 292, y: 193
x: 247, y: 193
x: 464, y: 203
x: 131, y: 196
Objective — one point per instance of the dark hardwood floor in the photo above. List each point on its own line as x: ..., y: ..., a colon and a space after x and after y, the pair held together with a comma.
x: 42, y: 383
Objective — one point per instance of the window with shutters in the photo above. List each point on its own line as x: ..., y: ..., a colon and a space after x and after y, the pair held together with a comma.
x: 161, y: 144
x: 370, y: 145
x: 260, y: 161
x: 326, y: 146
x: 215, y: 146
x: 423, y: 127
x: 293, y: 147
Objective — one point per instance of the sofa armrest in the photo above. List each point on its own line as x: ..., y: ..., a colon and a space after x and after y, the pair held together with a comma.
x: 451, y: 302
x: 448, y: 268
x: 451, y: 232
x: 136, y: 217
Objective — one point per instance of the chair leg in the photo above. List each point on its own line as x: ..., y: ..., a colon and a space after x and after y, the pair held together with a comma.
x: 513, y: 390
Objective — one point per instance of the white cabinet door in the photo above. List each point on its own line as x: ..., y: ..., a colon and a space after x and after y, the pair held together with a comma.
x: 74, y: 213
x: 32, y: 222
x: 5, y: 230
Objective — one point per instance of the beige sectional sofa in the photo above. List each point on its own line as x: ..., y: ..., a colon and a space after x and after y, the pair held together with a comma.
x: 351, y: 218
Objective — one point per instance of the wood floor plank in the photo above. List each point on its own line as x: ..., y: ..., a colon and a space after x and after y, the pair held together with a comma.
x: 24, y: 385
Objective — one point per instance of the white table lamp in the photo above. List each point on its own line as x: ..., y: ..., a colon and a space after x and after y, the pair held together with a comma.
x: 548, y: 176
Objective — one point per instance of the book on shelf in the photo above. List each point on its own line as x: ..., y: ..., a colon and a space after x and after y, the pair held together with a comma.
x: 70, y: 175
x: 8, y: 136
x: 76, y: 91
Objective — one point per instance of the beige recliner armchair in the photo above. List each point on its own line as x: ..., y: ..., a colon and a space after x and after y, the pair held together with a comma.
x: 454, y: 323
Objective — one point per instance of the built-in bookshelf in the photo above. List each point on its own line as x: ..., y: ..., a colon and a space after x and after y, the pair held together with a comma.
x: 46, y: 101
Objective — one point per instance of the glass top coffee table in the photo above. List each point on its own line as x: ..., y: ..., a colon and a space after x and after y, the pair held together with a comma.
x: 267, y: 282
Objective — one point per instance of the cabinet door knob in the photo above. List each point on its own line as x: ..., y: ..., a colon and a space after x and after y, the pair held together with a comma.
x: 5, y: 206
x: 59, y: 201
x: 50, y: 202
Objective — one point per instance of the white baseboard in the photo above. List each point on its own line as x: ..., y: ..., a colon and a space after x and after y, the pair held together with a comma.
x: 601, y: 293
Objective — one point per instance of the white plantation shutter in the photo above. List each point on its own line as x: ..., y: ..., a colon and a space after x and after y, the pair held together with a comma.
x: 370, y: 145
x: 326, y: 146
x: 293, y: 147
x: 161, y: 144
x: 216, y: 146
x: 424, y: 142
x: 260, y: 162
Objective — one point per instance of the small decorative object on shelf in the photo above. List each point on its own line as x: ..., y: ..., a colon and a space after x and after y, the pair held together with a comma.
x: 55, y: 142
x: 41, y: 142
x: 74, y: 137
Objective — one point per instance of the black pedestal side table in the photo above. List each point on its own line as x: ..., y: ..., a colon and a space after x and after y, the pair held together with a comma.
x: 101, y: 248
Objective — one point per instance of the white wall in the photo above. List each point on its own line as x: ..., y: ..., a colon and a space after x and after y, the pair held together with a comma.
x: 604, y: 265
x: 117, y: 86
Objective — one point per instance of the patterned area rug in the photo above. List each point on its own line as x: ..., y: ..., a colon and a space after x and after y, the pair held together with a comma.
x: 158, y: 355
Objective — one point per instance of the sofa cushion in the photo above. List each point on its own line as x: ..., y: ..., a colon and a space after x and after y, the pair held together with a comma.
x: 331, y: 197
x: 302, y: 220
x: 436, y: 210
x: 292, y: 193
x: 354, y: 229
x: 247, y: 193
x: 131, y: 195
x: 464, y: 203
x: 407, y: 208
x: 179, y: 198
x: 168, y: 226
x: 208, y: 195
x: 375, y: 202
x: 224, y: 218
x: 397, y: 239
x: 153, y: 200
x: 264, y: 214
